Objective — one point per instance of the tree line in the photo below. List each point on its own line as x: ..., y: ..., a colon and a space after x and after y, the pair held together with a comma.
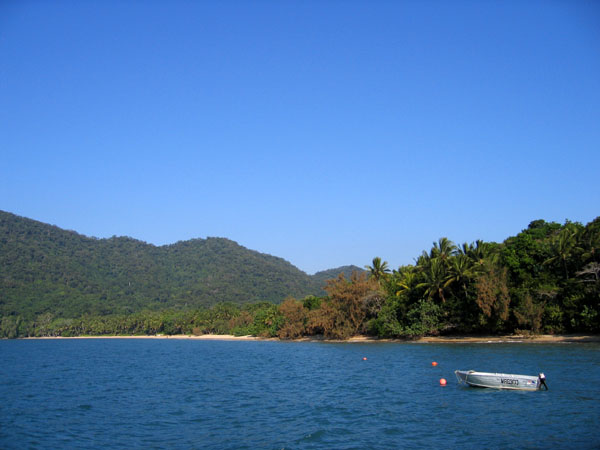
x: 544, y: 280
x: 47, y: 269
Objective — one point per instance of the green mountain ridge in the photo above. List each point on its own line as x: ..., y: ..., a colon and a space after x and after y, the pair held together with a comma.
x: 44, y: 268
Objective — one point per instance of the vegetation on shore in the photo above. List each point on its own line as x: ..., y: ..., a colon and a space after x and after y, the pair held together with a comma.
x: 45, y: 269
x: 544, y: 280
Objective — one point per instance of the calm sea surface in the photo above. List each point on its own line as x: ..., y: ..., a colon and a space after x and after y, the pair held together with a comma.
x: 124, y: 393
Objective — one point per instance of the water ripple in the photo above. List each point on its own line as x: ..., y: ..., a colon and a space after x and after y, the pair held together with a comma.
x: 275, y: 395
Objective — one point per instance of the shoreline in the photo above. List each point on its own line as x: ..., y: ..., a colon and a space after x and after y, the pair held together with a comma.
x: 536, y: 339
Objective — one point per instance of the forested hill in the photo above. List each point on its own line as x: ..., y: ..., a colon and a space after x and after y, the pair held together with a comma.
x: 321, y: 277
x: 44, y: 268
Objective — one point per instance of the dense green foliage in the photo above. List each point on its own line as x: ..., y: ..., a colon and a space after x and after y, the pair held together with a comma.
x: 545, y: 279
x: 44, y: 269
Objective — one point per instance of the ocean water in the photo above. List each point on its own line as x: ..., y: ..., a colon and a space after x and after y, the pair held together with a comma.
x: 191, y: 394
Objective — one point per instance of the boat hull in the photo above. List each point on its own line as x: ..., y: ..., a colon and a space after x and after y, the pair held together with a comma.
x: 498, y: 380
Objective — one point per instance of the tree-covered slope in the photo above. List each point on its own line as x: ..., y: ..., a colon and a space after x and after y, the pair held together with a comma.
x: 59, y: 283
x: 47, y: 269
x: 321, y: 277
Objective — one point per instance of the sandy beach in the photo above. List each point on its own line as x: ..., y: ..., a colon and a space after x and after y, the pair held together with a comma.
x: 204, y: 337
x: 537, y: 339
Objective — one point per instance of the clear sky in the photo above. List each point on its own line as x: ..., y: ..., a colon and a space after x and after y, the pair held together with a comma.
x: 323, y: 132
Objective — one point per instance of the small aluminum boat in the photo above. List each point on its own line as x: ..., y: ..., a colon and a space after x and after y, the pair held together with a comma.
x: 501, y: 380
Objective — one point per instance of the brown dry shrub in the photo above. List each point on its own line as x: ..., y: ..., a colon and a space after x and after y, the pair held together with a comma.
x: 295, y: 318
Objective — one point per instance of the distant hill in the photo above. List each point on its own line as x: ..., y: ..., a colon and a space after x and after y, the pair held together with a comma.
x: 321, y: 277
x: 44, y: 268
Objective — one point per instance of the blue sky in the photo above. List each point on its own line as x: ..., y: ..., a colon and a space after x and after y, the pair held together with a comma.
x: 323, y: 132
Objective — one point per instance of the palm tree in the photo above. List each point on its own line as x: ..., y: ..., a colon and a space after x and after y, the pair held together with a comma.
x: 423, y: 261
x: 564, y: 243
x: 480, y: 252
x: 444, y: 248
x: 461, y: 270
x: 590, y: 241
x: 378, y: 270
x: 435, y: 279
x: 466, y: 249
x: 405, y: 279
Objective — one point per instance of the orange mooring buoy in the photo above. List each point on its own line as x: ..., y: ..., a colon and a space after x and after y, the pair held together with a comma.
x: 442, y: 382
x: 365, y: 358
x: 434, y: 364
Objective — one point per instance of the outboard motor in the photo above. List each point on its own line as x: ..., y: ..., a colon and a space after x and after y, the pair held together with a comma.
x: 542, y: 379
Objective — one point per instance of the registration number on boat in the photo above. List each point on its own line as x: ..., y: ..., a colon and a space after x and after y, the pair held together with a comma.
x: 509, y: 381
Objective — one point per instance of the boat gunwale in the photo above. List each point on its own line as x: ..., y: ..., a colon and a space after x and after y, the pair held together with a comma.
x: 468, y: 382
x: 492, y: 374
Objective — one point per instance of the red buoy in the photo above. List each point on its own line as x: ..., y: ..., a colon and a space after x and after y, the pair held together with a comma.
x: 434, y: 364
x: 365, y: 358
x: 442, y: 382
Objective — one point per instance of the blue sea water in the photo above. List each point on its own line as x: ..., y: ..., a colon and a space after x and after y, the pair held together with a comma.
x: 180, y: 394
